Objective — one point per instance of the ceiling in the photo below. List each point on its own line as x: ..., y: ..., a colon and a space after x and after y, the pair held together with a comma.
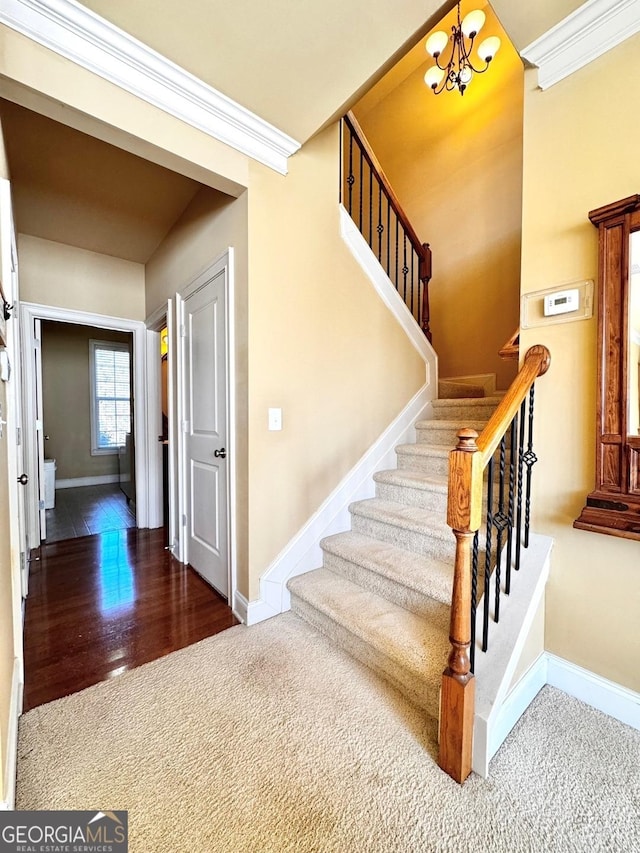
x: 72, y: 188
x: 298, y: 64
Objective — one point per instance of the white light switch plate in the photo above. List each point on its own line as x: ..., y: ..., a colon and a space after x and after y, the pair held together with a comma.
x: 275, y: 419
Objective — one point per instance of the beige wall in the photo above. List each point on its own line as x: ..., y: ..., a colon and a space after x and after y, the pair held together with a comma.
x: 67, y: 399
x: 209, y: 225
x: 65, y: 277
x: 580, y: 147
x: 455, y: 163
x: 321, y: 345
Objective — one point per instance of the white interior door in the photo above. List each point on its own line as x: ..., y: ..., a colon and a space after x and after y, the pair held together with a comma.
x: 10, y: 375
x: 19, y: 524
x: 37, y: 355
x: 203, y: 323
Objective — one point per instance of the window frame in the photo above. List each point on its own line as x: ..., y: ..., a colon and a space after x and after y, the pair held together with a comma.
x: 118, y: 346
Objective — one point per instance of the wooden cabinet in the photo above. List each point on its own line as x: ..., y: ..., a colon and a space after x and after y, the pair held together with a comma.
x: 613, y: 507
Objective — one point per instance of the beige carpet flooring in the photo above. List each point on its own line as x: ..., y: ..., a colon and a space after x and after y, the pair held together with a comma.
x: 270, y: 739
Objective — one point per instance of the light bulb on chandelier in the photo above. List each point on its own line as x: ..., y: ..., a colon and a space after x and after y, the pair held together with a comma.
x: 459, y: 69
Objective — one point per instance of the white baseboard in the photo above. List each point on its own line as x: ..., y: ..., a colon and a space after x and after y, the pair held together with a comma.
x: 604, y: 695
x: 98, y: 480
x: 612, y: 699
x: 303, y: 553
x: 8, y: 802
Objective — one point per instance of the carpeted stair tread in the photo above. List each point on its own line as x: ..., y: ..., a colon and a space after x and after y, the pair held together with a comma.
x: 413, y: 488
x: 465, y: 408
x: 449, y: 388
x: 400, y: 515
x: 421, y: 574
x: 406, y: 650
x: 412, y: 479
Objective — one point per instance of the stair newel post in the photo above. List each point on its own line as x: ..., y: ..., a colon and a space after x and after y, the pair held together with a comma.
x: 457, y: 698
x: 425, y: 277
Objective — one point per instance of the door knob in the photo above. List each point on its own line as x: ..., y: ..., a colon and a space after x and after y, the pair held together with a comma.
x: 220, y: 454
x: 23, y: 479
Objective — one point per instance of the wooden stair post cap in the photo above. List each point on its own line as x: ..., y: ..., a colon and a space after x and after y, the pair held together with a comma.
x: 467, y: 440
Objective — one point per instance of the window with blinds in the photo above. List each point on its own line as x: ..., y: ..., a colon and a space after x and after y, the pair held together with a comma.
x: 110, y: 367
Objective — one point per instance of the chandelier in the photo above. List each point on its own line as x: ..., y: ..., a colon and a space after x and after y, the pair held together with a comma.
x: 459, y: 70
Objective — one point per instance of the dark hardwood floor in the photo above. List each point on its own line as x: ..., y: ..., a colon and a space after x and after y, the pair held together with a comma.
x: 101, y: 605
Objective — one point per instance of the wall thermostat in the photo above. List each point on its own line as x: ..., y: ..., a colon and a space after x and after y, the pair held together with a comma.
x: 562, y: 303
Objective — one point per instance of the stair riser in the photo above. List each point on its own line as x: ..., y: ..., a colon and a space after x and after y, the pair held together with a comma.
x: 412, y: 687
x: 412, y: 540
x: 434, y: 466
x: 440, y: 437
x: 433, y: 502
x: 464, y: 414
x: 411, y: 599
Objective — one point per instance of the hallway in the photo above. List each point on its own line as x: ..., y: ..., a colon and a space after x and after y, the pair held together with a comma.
x: 101, y: 605
x: 86, y: 510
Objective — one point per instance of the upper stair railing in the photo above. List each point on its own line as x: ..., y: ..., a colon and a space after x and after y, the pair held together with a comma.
x: 505, y: 451
x: 374, y: 207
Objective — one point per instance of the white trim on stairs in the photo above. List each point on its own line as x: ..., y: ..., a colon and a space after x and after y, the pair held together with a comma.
x: 607, y: 696
x: 303, y: 553
x: 495, y: 670
x: 584, y: 35
x: 79, y: 34
x: 8, y: 803
x: 387, y: 292
x: 612, y: 699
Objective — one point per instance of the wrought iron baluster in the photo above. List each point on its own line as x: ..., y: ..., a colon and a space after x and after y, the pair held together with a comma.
x: 413, y: 254
x: 370, y: 207
x: 396, y: 280
x: 519, y: 500
x: 487, y: 562
x: 512, y: 479
x: 501, y: 521
x: 342, y: 176
x: 388, y: 234
x: 380, y: 225
x: 405, y: 269
x: 530, y: 460
x: 361, y: 189
x: 474, y: 598
x: 351, y: 178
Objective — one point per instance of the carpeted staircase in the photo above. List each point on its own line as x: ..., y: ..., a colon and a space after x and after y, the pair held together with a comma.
x: 384, y: 590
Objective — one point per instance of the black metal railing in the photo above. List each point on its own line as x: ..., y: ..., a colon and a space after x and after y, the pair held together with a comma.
x: 370, y: 201
x: 508, y: 515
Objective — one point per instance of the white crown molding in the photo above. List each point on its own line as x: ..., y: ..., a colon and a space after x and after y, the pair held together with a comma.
x: 78, y: 34
x: 593, y: 29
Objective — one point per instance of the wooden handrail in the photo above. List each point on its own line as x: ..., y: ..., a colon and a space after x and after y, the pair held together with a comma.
x: 422, y: 250
x: 464, y: 514
x: 536, y: 363
x: 511, y: 347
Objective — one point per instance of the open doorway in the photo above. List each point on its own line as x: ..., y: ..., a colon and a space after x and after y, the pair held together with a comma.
x: 88, y: 416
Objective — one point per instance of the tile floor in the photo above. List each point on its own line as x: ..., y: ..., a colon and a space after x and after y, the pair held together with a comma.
x: 87, y: 510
